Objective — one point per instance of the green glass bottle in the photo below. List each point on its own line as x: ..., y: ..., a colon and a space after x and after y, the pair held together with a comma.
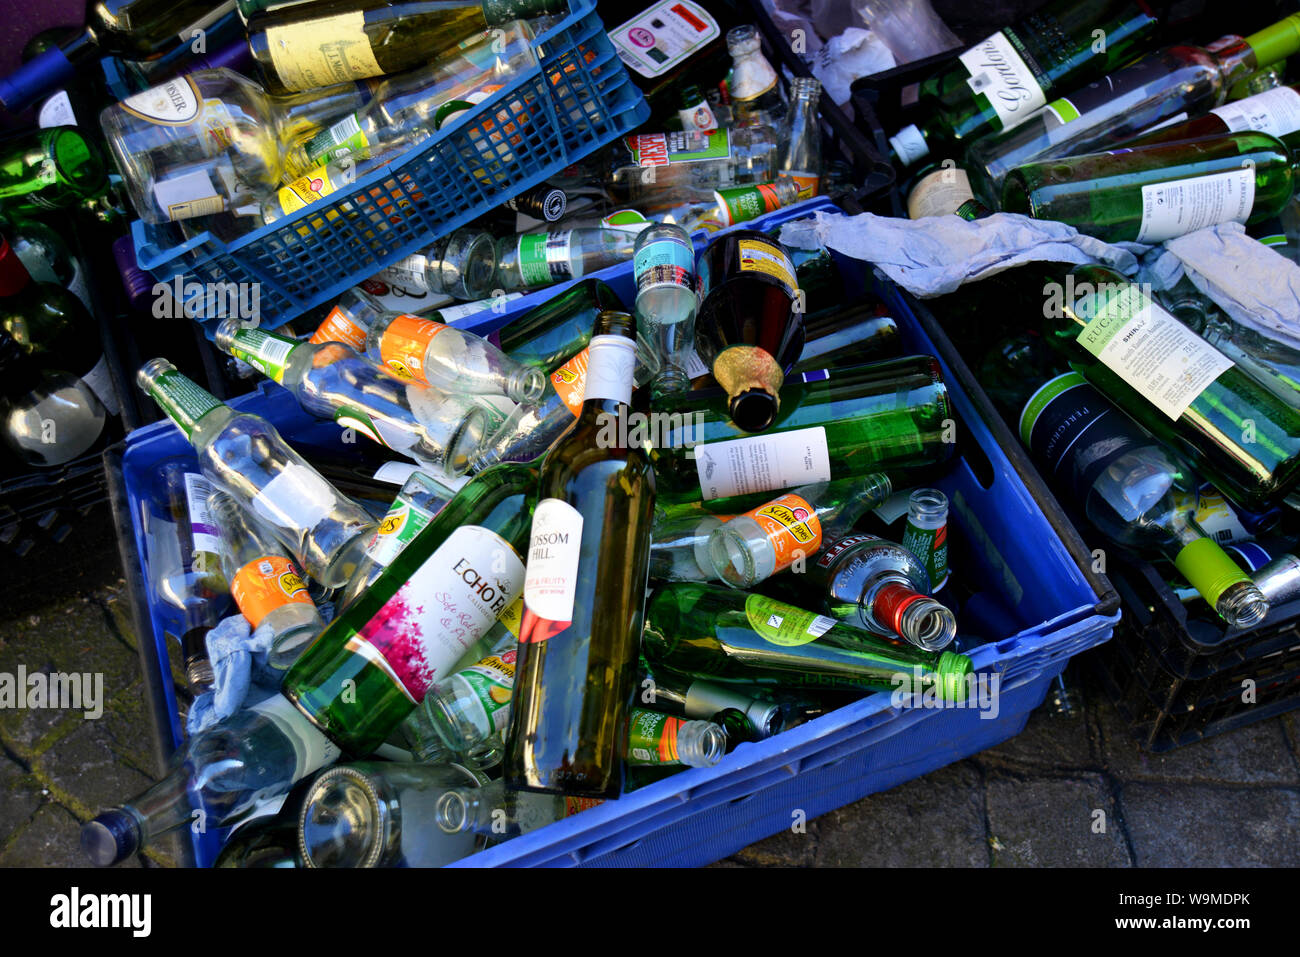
x: 1182, y: 390
x: 50, y: 169
x: 1153, y: 193
x: 1000, y: 83
x: 848, y: 422
x: 375, y: 662
x: 721, y: 635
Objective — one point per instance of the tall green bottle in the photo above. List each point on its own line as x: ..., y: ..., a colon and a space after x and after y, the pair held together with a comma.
x: 44, y: 170
x: 1240, y: 436
x: 374, y: 663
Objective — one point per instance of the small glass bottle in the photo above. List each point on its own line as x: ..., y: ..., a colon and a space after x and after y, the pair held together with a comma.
x: 664, y: 266
x: 754, y: 87
x: 654, y: 738
x: 802, y: 159
x: 926, y: 536
x: 496, y: 812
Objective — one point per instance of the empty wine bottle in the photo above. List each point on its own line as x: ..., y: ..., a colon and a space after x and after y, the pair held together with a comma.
x: 47, y: 417
x: 243, y: 454
x: 52, y: 169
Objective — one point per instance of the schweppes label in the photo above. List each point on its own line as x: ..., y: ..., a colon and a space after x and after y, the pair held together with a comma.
x: 791, y: 526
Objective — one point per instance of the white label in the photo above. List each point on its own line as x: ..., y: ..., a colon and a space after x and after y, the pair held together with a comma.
x: 311, y: 749
x: 408, y: 275
x: 910, y: 145
x: 57, y: 111
x: 695, y: 366
x: 100, y: 381
x: 174, y: 103
x: 820, y: 625
x: 939, y: 194
x: 554, y: 547
x: 664, y: 35
x: 611, y: 363
x: 395, y: 473
x: 699, y: 117
x: 202, y: 527
x: 763, y: 463
x: 997, y: 71
x: 1276, y: 112
x: 450, y: 314
x: 297, y: 498
x: 1185, y: 205
x: 188, y: 195
x: 1149, y: 349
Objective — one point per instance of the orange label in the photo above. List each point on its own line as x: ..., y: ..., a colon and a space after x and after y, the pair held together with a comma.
x: 791, y: 526
x: 668, y: 740
x: 265, y: 584
x: 404, y: 344
x: 570, y: 381
x: 337, y: 327
x: 576, y: 805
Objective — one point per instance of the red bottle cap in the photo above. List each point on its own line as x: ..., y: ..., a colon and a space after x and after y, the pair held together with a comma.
x: 891, y: 601
x: 14, y: 277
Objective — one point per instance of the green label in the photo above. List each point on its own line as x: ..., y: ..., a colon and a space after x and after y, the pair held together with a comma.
x: 743, y: 203
x: 183, y: 401
x: 930, y: 545
x: 353, y: 418
x: 1111, y: 309
x: 490, y: 684
x: 782, y: 624
x: 403, y: 522
x: 544, y: 257
x: 264, y: 351
x: 340, y: 139
x: 690, y: 146
x: 652, y: 737
x: 1065, y: 110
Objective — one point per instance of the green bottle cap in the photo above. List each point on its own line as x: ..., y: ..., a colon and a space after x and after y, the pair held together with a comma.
x: 1208, y: 569
x: 950, y: 676
x: 1276, y: 41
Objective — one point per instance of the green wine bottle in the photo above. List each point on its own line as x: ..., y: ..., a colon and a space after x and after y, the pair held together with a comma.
x: 50, y: 169
x: 375, y: 662
x: 721, y: 635
x: 1182, y: 390
x: 1000, y: 83
x: 1153, y: 193
x: 878, y: 417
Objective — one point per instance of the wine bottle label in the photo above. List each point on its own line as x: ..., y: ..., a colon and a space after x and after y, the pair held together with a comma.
x: 763, y: 463
x: 338, y: 327
x: 403, y: 522
x: 1119, y: 94
x: 265, y: 584
x: 1183, y: 206
x: 183, y: 401
x: 342, y: 138
x: 785, y: 625
x: 551, y: 585
x: 404, y: 343
x: 544, y: 258
x: 203, y: 528
x: 939, y: 194
x: 408, y: 274
x: 570, y: 381
x: 611, y: 366
x: 57, y: 111
x: 739, y: 204
x: 99, y: 380
x: 689, y: 146
x: 310, y: 187
x: 998, y: 71
x: 188, y: 195
x: 484, y: 691
x: 311, y: 749
x: 1167, y: 363
x: 261, y: 350
x: 296, y: 498
x: 321, y: 52
x: 652, y: 738
x: 665, y: 263
x: 930, y: 545
x: 1214, y: 515
x: 768, y: 259
x: 447, y: 605
x: 174, y: 103
x: 1276, y: 112
x: 663, y: 36
x: 791, y: 526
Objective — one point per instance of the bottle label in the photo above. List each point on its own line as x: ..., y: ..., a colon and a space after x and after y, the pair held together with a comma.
x: 652, y: 737
x: 1153, y: 352
x: 1276, y: 112
x: 785, y: 625
x: 840, y: 547
x: 551, y: 587
x: 611, y: 365
x: 321, y: 52
x: 296, y: 498
x: 338, y: 327
x: 664, y: 263
x: 763, y: 463
x: 188, y: 195
x: 999, y: 72
x: 403, y: 522
x: 791, y: 526
x: 806, y: 183
x: 460, y: 310
x: 57, y: 111
x: 174, y: 103
x: 698, y: 117
x: 409, y: 275
x: 404, y: 343
x: 485, y: 689
x: 1123, y: 95
x: 544, y: 258
x: 570, y: 381
x: 576, y: 805
x: 939, y: 194
x: 689, y: 146
x: 739, y: 204
x: 317, y: 184
x: 1214, y: 515
x: 265, y: 352
x: 265, y: 584
x: 203, y: 529
x: 1182, y: 206
x: 311, y: 749
x: 930, y: 545
x: 768, y: 259
x: 183, y: 401
x: 451, y: 602
x: 664, y: 35
x: 342, y: 138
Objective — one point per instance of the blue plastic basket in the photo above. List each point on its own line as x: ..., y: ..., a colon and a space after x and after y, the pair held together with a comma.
x: 578, y: 99
x: 1000, y: 540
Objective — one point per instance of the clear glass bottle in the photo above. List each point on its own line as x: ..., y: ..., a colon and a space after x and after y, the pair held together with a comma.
x: 679, y: 547
x: 533, y: 260
x: 462, y: 265
x: 801, y: 160
x: 658, y: 739
x: 496, y: 812
x: 753, y: 85
x: 664, y: 267
x: 46, y: 418
x: 926, y: 535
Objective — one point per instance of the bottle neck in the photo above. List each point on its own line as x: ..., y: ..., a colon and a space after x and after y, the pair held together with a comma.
x: 271, y: 354
x: 184, y: 401
x: 611, y: 364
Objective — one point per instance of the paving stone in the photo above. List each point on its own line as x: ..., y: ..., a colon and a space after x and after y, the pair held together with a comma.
x: 52, y: 839
x: 1291, y: 723
x: 1048, y: 741
x: 91, y: 766
x: 1049, y: 822
x: 1196, y: 826
x: 934, y: 821
x: 1256, y: 754
x: 20, y: 796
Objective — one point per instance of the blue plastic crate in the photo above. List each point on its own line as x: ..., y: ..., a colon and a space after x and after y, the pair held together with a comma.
x: 578, y: 99
x: 1000, y: 540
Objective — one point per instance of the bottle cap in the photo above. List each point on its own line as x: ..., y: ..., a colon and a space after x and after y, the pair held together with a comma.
x: 950, y: 675
x: 139, y: 285
x: 14, y: 277
x: 909, y: 145
x: 1208, y: 569
x: 1276, y: 41
x: 110, y: 838
x: 546, y: 203
x: 36, y: 79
